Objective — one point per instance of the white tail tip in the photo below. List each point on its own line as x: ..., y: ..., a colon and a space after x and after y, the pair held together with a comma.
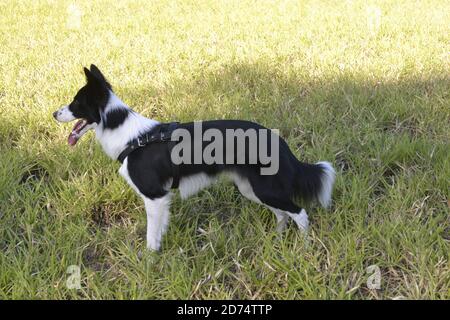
x: 327, y: 180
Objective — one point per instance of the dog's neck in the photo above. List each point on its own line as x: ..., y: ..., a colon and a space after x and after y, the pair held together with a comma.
x: 114, y: 140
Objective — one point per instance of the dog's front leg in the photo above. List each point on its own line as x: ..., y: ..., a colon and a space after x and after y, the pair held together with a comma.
x: 158, y: 211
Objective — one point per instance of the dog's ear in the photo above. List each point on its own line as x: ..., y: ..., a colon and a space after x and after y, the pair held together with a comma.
x: 98, y: 74
x: 90, y: 78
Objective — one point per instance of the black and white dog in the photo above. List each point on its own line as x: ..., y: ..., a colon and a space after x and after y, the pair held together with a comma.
x: 150, y: 171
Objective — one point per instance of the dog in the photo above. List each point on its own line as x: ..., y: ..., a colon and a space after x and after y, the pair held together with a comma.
x: 149, y: 168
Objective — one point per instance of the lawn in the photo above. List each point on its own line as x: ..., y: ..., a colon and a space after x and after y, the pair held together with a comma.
x: 362, y: 84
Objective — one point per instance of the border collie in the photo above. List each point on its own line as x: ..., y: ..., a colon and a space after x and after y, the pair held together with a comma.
x: 150, y: 171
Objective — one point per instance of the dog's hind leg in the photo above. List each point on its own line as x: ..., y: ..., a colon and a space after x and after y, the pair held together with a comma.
x: 281, y: 205
x: 246, y: 190
x: 282, y: 219
x: 301, y: 219
x: 158, y: 212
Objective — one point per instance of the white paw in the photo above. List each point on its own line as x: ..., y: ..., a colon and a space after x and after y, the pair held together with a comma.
x: 302, y: 222
x: 153, y: 244
x: 301, y: 219
x: 281, y: 225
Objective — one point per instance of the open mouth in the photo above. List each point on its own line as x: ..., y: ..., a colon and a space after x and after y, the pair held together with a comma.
x: 77, y: 132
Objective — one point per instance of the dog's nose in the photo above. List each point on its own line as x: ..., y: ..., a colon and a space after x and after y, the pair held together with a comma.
x: 55, y: 114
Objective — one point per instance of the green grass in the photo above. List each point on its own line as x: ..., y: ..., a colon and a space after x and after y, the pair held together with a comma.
x: 372, y: 98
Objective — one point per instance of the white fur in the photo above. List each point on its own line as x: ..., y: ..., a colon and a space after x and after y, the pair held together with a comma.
x: 158, y: 211
x: 64, y: 114
x: 190, y: 185
x: 327, y: 184
x: 157, y: 219
x: 114, y: 103
x: 245, y: 188
x: 115, y: 140
x: 282, y: 219
x: 301, y: 219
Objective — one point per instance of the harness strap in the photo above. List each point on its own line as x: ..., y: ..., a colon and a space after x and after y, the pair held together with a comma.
x: 161, y: 133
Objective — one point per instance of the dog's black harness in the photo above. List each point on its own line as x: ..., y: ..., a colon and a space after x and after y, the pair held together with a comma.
x: 161, y: 133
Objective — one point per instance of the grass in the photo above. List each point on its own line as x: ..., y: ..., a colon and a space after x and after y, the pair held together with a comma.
x: 363, y: 84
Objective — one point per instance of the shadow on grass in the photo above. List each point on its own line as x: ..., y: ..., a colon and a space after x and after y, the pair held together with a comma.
x: 353, y: 121
x: 340, y: 117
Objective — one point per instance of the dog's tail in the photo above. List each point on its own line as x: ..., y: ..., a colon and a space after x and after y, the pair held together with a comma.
x: 315, y: 182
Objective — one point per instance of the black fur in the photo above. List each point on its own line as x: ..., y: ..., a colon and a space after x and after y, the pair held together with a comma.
x: 115, y: 118
x: 150, y: 170
x: 91, y: 99
x: 99, y: 75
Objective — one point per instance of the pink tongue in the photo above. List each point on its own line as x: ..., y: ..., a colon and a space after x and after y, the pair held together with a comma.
x: 73, y: 139
x: 73, y: 136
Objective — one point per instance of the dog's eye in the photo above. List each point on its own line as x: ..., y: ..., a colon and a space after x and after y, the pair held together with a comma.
x: 75, y: 103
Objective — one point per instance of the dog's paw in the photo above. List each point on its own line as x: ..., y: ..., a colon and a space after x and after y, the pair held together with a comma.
x: 153, y: 245
x: 301, y: 220
x: 281, y: 225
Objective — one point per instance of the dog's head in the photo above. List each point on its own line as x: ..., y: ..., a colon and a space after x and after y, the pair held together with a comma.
x: 87, y: 105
